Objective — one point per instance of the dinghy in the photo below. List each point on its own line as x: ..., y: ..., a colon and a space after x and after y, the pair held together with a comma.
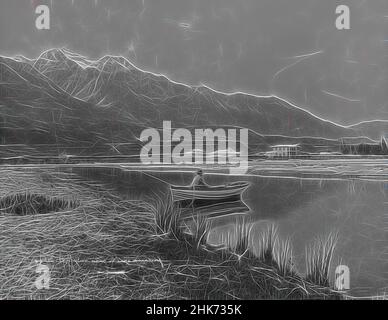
x: 211, y: 201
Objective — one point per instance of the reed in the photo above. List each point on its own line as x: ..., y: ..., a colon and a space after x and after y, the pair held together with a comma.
x: 243, y: 242
x: 201, y: 228
x: 266, y: 243
x: 318, y: 259
x: 167, y: 218
x: 283, y: 257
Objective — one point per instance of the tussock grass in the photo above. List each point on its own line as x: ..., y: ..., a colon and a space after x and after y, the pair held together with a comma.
x: 80, y: 246
x: 200, y: 230
x: 169, y: 224
x: 269, y: 248
x: 242, y: 235
x: 283, y: 257
x: 318, y: 259
x: 167, y: 217
x: 31, y: 204
x: 267, y: 242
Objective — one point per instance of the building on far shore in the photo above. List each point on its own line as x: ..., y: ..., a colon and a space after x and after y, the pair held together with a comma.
x: 284, y: 151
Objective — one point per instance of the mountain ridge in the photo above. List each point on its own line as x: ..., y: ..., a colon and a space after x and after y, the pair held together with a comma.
x: 62, y: 97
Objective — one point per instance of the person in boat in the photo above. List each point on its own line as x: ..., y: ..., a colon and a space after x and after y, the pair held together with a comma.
x: 199, y: 180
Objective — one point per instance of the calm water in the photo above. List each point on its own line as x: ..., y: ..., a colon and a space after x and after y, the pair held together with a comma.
x: 302, y: 209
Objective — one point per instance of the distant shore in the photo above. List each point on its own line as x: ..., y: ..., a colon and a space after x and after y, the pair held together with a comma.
x: 363, y: 168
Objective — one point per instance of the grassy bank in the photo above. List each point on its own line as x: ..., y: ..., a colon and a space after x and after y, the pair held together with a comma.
x: 99, y: 246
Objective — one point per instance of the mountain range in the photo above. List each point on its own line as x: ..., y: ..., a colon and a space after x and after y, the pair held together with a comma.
x: 65, y: 102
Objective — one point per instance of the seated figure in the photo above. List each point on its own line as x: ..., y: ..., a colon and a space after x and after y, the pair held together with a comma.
x: 199, y: 180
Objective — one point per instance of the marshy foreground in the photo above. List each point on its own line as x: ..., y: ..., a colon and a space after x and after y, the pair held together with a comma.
x: 99, y: 245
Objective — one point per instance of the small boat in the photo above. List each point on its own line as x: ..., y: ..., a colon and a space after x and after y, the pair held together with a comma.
x: 209, y: 194
x: 210, y: 200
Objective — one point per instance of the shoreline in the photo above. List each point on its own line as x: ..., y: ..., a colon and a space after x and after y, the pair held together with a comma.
x: 91, y: 243
x: 358, y: 169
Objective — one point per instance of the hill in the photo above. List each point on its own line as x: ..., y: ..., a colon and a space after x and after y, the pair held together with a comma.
x: 64, y: 102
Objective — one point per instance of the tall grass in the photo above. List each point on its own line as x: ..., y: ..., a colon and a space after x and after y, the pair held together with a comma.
x: 201, y: 228
x: 169, y: 223
x: 283, y: 257
x: 266, y: 243
x: 167, y: 218
x: 318, y: 259
x: 242, y: 236
x: 270, y: 249
x: 80, y: 247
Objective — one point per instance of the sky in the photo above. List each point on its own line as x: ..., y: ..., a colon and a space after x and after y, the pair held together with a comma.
x: 290, y: 48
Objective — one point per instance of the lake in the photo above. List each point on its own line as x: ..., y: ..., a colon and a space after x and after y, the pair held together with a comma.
x: 302, y: 209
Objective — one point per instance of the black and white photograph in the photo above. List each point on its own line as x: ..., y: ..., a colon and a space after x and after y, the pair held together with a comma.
x: 193, y: 150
